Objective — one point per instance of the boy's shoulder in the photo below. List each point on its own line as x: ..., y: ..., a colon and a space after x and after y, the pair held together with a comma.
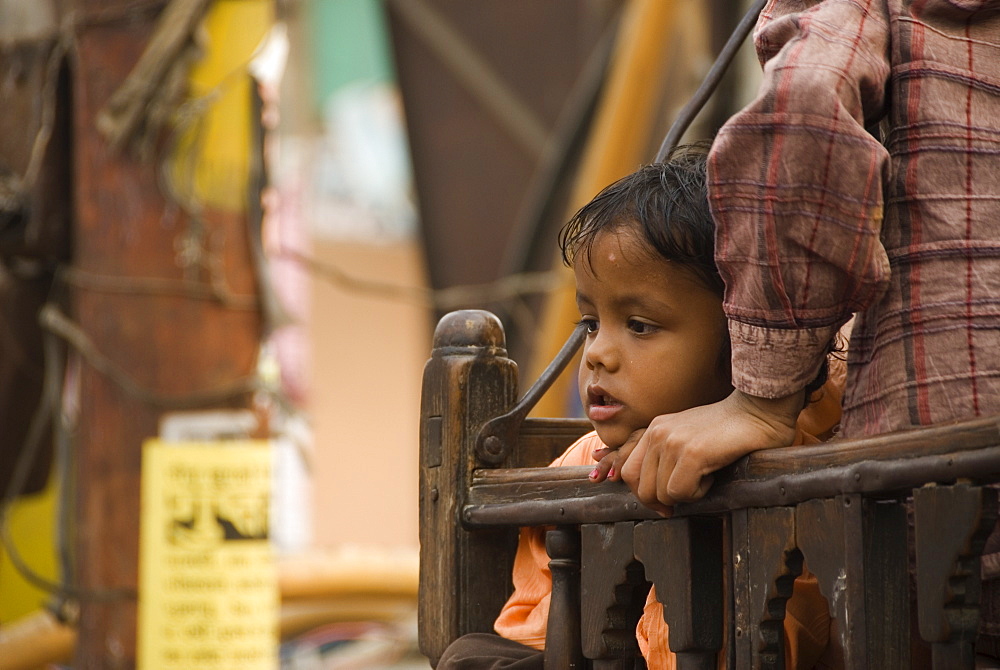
x: 580, y: 452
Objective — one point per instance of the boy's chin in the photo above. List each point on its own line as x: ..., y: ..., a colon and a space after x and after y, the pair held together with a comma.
x: 612, y: 436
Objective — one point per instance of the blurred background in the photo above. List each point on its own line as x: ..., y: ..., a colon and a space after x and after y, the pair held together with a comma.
x: 240, y: 219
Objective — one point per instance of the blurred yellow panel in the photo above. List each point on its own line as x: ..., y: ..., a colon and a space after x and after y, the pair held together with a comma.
x: 32, y: 530
x: 212, y: 158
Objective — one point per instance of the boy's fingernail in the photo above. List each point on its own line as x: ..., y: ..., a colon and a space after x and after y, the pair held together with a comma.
x: 593, y: 475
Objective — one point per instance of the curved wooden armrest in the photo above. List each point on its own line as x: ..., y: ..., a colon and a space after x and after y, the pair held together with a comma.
x: 885, y: 464
x: 888, y: 464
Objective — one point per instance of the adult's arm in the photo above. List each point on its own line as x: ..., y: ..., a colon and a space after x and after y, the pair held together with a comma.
x: 795, y: 186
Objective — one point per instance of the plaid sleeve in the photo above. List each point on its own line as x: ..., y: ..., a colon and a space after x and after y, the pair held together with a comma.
x: 795, y: 185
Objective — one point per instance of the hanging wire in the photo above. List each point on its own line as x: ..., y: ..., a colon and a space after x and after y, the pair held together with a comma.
x: 57, y: 325
x: 711, y: 81
x: 46, y: 412
x: 55, y: 321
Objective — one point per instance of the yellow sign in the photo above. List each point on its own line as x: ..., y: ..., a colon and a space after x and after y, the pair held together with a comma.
x: 208, y: 592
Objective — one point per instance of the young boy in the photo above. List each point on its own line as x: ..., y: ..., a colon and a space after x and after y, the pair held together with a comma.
x: 657, y: 342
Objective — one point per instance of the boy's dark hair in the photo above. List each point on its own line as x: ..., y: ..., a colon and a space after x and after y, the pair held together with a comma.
x: 667, y: 201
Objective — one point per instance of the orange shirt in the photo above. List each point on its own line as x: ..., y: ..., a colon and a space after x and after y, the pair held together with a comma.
x: 807, y: 621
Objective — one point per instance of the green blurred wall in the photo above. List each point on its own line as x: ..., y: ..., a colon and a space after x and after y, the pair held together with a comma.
x: 349, y: 44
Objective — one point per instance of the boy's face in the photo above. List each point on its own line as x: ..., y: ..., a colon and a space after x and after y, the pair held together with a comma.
x: 655, y: 333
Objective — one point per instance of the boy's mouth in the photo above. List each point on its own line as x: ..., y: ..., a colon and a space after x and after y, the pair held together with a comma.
x: 600, y: 405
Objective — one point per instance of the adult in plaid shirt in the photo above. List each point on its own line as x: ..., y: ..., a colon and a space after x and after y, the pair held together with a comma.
x: 864, y: 178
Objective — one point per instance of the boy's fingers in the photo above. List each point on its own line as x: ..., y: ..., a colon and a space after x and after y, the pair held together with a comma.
x: 599, y: 454
x: 633, y: 452
x: 685, y: 487
x: 604, y: 465
x: 647, y: 489
x: 623, y: 454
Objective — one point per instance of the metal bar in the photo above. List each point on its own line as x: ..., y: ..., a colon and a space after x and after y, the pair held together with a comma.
x: 497, y: 436
x: 711, y: 81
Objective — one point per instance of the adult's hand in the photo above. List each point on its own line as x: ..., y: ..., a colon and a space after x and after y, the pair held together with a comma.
x: 673, y: 459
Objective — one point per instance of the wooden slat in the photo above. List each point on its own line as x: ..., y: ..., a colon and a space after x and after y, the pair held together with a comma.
x: 829, y: 534
x: 951, y: 524
x: 548, y: 496
x: 740, y: 645
x: 778, y: 477
x: 614, y: 587
x: 941, y: 439
x: 683, y: 559
x: 563, y: 650
x: 774, y: 563
x: 887, y: 597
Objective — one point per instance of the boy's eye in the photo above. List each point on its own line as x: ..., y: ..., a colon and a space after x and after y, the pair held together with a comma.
x: 640, y: 327
x: 590, y: 324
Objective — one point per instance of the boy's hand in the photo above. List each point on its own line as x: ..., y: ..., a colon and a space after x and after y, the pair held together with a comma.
x: 609, y: 461
x: 672, y: 461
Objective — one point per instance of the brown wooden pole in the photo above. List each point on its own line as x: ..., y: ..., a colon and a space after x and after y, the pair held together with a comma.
x: 172, y: 344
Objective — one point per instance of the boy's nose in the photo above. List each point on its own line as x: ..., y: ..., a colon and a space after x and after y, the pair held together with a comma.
x: 601, y: 351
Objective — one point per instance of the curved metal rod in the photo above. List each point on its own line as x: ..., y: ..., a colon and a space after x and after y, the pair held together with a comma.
x: 711, y: 81
x: 497, y: 434
x: 495, y: 437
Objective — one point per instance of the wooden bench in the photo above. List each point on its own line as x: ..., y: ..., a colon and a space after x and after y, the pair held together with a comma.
x: 727, y: 562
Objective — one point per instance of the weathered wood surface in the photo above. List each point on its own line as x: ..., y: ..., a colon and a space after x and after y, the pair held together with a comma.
x: 683, y: 559
x: 951, y: 525
x: 613, y: 585
x: 468, y: 380
x: 774, y: 563
x: 563, y: 646
x: 884, y: 466
x: 725, y: 565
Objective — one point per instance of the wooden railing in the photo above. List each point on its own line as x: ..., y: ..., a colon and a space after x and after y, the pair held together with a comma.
x: 728, y: 562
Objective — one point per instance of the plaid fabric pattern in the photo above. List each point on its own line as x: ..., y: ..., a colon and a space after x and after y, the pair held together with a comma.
x: 818, y: 219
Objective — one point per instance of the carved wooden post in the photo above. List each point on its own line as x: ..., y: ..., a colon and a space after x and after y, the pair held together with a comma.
x: 468, y: 380
x: 683, y: 559
x: 856, y: 548
x: 614, y: 590
x: 562, y: 644
x: 765, y: 565
x: 951, y: 524
x: 830, y: 538
x: 887, y: 588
